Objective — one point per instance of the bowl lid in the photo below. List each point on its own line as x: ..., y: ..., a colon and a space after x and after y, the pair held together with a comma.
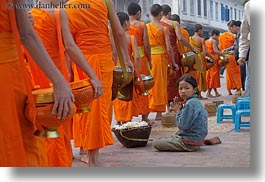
x: 80, y: 84
x: 42, y: 96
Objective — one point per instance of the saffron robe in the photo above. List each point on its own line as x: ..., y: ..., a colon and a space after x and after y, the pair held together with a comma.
x: 233, y: 78
x: 213, y: 74
x: 158, y: 94
x: 201, y: 74
x: 125, y: 110
x: 138, y: 33
x: 19, y: 147
x: 89, y: 27
x: 172, y: 89
x: 59, y: 150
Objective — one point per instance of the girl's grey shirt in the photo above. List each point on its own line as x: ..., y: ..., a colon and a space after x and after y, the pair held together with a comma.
x: 192, y: 120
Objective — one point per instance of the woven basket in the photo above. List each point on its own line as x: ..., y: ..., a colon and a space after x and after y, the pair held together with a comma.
x: 169, y: 119
x: 133, y: 137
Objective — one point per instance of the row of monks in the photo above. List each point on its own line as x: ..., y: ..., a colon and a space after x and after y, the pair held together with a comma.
x: 84, y: 42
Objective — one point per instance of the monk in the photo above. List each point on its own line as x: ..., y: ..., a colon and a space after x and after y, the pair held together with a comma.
x: 226, y: 40
x: 175, y: 34
x: 184, y: 33
x: 47, y: 23
x: 162, y: 55
x: 125, y: 110
x: 19, y: 147
x: 89, y: 27
x: 198, y: 42
x: 213, y: 74
x: 139, y: 31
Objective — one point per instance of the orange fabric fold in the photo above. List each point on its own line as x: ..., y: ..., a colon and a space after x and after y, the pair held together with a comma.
x: 59, y: 151
x: 158, y: 94
x: 83, y: 27
x: 233, y: 78
x: 89, y: 28
x: 172, y: 89
x: 213, y: 74
x: 137, y: 32
x: 125, y: 110
x: 201, y: 76
x: 19, y: 147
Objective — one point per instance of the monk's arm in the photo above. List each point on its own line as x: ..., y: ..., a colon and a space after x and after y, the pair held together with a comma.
x: 136, y: 55
x: 147, y: 47
x: 118, y: 32
x: 113, y: 47
x: 181, y: 38
x: 63, y: 95
x: 77, y: 56
x: 170, y: 51
x: 215, y: 48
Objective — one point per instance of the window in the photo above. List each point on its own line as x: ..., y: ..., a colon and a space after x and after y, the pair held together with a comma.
x: 192, y: 10
x: 205, y: 9
x: 222, y: 12
x: 211, y: 9
x: 216, y: 11
x: 184, y: 6
x: 231, y: 14
x: 239, y: 15
x: 227, y: 18
x: 199, y: 7
x: 235, y: 17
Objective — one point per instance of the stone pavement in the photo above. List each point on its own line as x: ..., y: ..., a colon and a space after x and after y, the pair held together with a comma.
x: 234, y: 151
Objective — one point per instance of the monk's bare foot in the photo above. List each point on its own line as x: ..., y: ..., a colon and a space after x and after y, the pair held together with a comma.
x: 217, y: 95
x: 84, y: 158
x: 158, y: 116
x: 230, y: 93
x: 212, y: 141
x: 210, y: 96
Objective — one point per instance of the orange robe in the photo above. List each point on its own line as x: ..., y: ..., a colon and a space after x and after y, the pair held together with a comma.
x: 213, y: 74
x: 90, y: 31
x: 233, y: 78
x: 186, y: 35
x: 125, y: 110
x: 172, y: 89
x: 158, y: 94
x: 138, y: 34
x: 59, y: 151
x: 19, y: 147
x: 200, y: 75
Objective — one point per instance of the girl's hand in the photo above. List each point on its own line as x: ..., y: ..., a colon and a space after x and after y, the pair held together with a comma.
x: 175, y: 106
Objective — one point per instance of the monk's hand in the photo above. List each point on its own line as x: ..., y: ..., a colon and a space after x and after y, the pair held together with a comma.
x: 98, y: 87
x: 241, y: 61
x: 175, y: 66
x: 130, y: 65
x: 63, y: 100
x: 196, y: 51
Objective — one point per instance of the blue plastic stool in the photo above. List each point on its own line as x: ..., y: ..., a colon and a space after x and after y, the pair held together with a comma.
x: 220, y: 112
x: 242, y: 104
x: 238, y: 122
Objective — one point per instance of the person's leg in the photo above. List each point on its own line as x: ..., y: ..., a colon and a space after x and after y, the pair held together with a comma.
x: 172, y: 144
x: 209, y: 93
x: 216, y: 93
x: 247, y: 81
x: 243, y: 76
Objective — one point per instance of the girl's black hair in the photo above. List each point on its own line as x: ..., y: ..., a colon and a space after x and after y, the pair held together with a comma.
x: 123, y: 17
x: 190, y: 79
